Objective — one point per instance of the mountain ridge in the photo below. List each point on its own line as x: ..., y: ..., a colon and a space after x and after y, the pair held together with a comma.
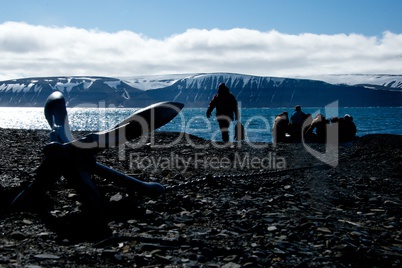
x: 196, y: 90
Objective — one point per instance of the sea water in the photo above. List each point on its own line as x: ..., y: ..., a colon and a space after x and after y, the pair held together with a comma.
x: 258, y: 122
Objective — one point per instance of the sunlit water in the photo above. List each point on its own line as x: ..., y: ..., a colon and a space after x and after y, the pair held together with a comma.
x: 257, y: 121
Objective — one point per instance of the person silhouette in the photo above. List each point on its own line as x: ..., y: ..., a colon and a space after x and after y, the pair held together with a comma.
x: 281, y: 127
x: 226, y: 109
x: 296, y: 122
x: 317, y: 130
x: 347, y: 129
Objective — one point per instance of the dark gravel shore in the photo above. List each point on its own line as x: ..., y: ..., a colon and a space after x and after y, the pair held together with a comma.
x: 271, y: 206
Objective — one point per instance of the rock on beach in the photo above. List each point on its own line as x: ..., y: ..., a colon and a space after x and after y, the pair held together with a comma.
x: 248, y: 205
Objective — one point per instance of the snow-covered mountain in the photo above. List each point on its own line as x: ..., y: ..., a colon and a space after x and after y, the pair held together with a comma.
x: 77, y: 90
x: 196, y: 90
x: 375, y: 81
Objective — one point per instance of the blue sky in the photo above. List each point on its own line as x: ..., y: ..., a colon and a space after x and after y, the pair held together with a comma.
x: 294, y: 38
x: 162, y: 18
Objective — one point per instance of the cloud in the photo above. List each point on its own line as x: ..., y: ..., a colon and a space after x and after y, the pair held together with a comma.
x: 32, y: 50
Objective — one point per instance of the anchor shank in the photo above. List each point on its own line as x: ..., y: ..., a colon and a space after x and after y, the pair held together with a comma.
x: 148, y: 188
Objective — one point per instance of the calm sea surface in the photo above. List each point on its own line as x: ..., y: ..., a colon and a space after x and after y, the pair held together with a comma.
x: 257, y: 121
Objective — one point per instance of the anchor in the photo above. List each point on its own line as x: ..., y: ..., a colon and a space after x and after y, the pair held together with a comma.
x: 75, y: 159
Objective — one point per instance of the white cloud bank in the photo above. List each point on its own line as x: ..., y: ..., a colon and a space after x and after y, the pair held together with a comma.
x: 29, y: 50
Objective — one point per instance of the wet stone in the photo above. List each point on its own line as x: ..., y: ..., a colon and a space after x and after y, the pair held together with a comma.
x: 46, y: 256
x: 4, y: 260
x: 18, y: 235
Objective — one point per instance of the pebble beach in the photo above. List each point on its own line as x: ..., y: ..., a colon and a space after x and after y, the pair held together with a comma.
x: 245, y: 205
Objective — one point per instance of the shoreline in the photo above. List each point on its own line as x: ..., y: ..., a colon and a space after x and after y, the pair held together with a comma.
x: 348, y: 215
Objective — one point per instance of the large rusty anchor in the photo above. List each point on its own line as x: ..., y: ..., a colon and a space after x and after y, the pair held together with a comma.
x: 74, y: 159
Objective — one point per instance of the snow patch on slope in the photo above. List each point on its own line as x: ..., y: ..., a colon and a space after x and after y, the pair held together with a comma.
x: 15, y: 88
x: 153, y: 81
x: 385, y: 80
x: 63, y: 86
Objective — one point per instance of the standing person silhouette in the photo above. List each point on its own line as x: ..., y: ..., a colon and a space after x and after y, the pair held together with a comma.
x: 297, y: 120
x: 226, y: 106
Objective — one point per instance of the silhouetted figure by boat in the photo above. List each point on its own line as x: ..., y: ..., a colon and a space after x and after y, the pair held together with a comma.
x: 296, y: 122
x: 347, y: 129
x: 317, y: 130
x: 281, y: 128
